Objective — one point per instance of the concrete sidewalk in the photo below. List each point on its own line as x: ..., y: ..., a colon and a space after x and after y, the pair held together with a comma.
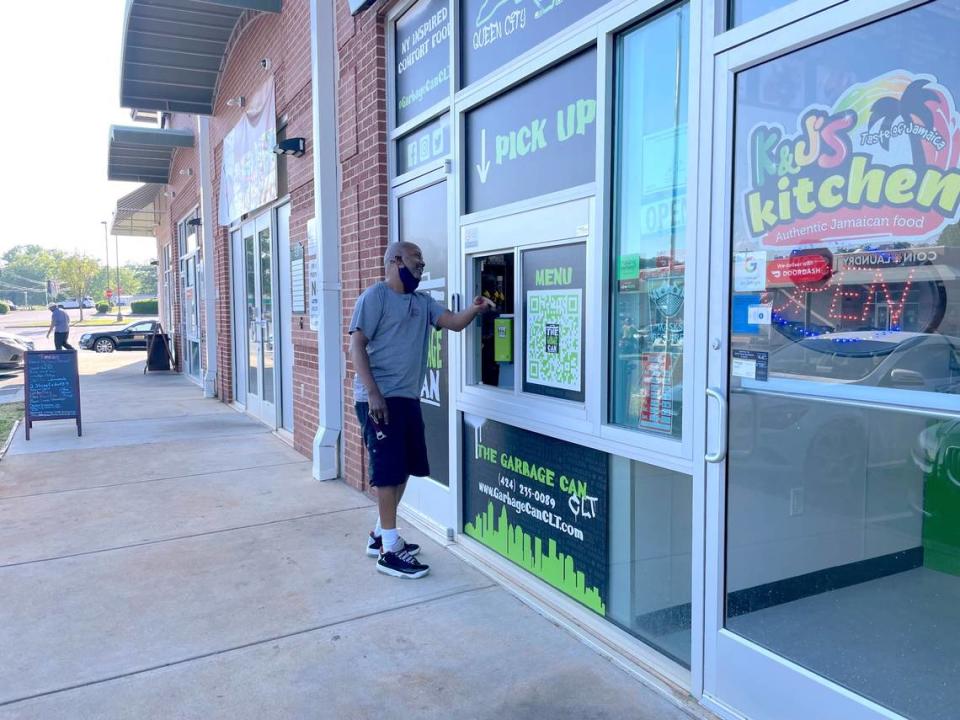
x: 179, y: 561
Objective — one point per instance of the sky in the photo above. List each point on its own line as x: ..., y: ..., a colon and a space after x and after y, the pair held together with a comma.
x: 61, y: 93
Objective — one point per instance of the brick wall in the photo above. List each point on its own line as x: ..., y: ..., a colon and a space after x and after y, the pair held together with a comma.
x: 285, y: 40
x: 362, y: 131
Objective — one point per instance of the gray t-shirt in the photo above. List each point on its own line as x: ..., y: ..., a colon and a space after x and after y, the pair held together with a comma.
x: 61, y: 321
x: 397, y: 326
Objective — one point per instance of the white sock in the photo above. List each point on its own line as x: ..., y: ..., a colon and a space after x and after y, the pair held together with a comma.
x: 377, y: 530
x: 391, y: 540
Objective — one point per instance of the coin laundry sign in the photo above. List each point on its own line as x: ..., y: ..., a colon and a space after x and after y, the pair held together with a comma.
x: 882, y: 161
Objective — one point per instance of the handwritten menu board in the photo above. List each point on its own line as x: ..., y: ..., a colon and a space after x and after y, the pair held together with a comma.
x: 51, y: 387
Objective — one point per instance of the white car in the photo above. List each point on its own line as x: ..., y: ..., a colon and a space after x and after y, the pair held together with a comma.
x: 783, y: 441
x: 73, y: 303
x: 12, y: 349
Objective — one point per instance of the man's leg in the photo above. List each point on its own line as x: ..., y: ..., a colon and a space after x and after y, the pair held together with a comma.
x: 58, y: 341
x: 388, y: 498
x: 378, y: 528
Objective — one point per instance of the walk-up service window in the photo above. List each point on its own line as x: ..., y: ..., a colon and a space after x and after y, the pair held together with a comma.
x: 843, y: 505
x: 494, y: 279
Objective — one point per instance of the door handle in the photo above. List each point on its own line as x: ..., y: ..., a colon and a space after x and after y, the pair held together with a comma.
x: 721, y: 453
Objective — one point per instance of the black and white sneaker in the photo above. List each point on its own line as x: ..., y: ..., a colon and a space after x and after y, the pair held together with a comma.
x: 375, y: 544
x: 401, y: 564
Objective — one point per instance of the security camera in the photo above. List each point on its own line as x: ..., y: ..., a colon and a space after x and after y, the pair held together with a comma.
x: 291, y: 146
x: 265, y: 63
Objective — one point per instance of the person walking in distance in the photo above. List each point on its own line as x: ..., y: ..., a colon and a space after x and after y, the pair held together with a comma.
x: 389, y: 332
x: 60, y: 326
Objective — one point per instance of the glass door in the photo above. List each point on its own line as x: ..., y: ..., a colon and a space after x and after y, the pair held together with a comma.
x: 421, y: 213
x: 257, y: 240
x: 834, y: 418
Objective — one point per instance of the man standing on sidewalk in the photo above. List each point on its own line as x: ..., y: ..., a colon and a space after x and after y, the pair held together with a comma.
x: 389, y: 333
x: 60, y: 326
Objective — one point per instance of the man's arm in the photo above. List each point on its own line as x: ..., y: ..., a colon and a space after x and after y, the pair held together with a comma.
x: 458, y: 321
x: 50, y: 329
x: 361, y: 363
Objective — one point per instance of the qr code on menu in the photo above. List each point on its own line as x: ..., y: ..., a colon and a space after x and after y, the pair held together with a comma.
x: 554, y: 330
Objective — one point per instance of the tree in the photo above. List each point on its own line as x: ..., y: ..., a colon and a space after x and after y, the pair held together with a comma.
x: 147, y: 276
x: 129, y: 280
x: 26, y: 269
x: 78, y: 272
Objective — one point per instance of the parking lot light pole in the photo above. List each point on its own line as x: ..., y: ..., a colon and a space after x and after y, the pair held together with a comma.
x: 106, y: 246
x: 117, y: 257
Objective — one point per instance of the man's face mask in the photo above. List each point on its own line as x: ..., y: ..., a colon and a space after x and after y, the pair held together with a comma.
x: 409, y: 280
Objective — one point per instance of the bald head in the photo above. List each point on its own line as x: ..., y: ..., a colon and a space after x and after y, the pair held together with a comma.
x: 398, y: 249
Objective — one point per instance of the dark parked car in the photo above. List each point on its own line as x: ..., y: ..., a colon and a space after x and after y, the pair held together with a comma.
x: 132, y: 337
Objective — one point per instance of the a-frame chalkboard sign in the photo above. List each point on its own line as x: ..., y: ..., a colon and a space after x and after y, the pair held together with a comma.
x: 51, y: 387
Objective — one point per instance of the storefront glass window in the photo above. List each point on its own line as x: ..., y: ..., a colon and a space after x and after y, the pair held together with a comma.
x: 742, y: 11
x: 649, y: 234
x: 843, y: 515
x: 650, y: 531
x: 422, y: 219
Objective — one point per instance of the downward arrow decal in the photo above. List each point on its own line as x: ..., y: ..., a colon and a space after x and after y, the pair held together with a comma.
x: 484, y: 165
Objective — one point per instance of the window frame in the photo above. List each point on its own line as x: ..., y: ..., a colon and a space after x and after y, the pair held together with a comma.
x: 585, y: 424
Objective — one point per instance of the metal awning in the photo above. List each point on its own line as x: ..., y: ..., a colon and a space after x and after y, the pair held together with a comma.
x: 174, y: 51
x: 138, y: 213
x: 143, y: 154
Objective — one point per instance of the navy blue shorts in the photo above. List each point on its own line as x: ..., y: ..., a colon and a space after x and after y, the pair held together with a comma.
x: 401, y: 449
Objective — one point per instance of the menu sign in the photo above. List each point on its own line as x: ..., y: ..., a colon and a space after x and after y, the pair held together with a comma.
x: 494, y: 32
x: 538, y: 138
x: 553, y: 305
x: 51, y: 387
x: 541, y: 503
x: 422, y: 50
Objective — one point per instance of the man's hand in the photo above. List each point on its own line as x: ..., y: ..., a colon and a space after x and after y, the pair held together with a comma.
x: 378, y: 409
x: 458, y: 321
x: 483, y: 304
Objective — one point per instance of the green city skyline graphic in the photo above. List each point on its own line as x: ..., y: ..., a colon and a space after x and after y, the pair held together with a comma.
x: 527, y: 551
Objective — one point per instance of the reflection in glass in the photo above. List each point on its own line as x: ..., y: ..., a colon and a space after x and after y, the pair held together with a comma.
x: 253, y: 340
x: 651, y: 511
x: 843, y: 549
x: 650, y: 186
x: 742, y: 11
x: 266, y: 313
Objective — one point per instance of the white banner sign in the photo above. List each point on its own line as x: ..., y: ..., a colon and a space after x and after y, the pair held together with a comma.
x: 248, y: 177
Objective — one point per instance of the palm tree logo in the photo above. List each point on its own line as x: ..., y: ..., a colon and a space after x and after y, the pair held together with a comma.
x: 910, y: 107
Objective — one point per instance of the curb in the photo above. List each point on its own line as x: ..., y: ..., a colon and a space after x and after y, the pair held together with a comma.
x: 6, y: 444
